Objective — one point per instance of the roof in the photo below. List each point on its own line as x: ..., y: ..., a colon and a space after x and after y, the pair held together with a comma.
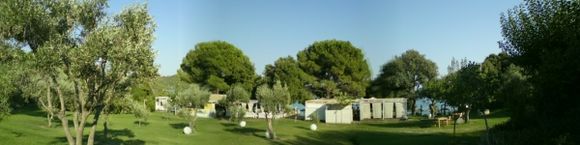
x: 160, y: 97
x: 322, y: 101
x: 298, y: 105
x: 214, y: 98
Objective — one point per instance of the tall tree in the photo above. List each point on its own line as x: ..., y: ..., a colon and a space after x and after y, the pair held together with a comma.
x: 217, y: 65
x: 99, y: 55
x: 338, y: 67
x: 287, y: 71
x: 435, y: 90
x: 403, y: 76
x: 274, y: 101
x: 190, y: 100
x: 466, y: 89
x: 542, y: 36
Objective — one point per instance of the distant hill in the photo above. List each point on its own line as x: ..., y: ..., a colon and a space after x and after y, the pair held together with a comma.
x: 164, y: 85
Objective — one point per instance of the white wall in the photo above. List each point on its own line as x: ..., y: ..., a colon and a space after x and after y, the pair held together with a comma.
x: 343, y: 115
x: 312, y: 107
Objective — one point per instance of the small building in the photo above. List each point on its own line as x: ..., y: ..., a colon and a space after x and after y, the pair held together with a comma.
x: 210, y: 109
x: 328, y: 110
x: 254, y: 110
x: 162, y: 103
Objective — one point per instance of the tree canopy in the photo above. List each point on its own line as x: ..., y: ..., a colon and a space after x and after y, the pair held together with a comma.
x: 338, y: 66
x: 401, y: 76
x: 217, y: 65
x: 77, y: 42
x: 542, y: 36
x: 287, y: 71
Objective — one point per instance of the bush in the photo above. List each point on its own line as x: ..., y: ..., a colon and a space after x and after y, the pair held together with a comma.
x: 141, y: 112
x: 236, y: 113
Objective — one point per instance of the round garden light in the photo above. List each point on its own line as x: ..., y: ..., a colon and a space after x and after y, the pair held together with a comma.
x: 187, y: 130
x: 313, y: 127
x: 242, y: 123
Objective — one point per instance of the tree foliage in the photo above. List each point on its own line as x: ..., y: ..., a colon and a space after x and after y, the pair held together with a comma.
x: 542, y: 36
x: 273, y: 101
x: 140, y: 111
x: 217, y: 65
x: 287, y: 71
x: 234, y: 99
x: 9, y: 70
x: 190, y: 99
x: 336, y: 64
x: 402, y: 76
x: 101, y: 55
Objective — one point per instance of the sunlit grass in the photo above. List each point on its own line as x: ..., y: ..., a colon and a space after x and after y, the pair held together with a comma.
x: 29, y: 127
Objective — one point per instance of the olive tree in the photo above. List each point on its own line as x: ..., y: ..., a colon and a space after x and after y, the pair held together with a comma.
x: 190, y: 99
x: 140, y: 111
x: 99, y: 55
x: 235, y: 97
x: 274, y: 100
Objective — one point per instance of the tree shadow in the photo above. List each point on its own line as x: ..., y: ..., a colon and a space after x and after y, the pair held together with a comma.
x: 228, y: 124
x: 230, y: 127
x: 405, y: 124
x: 142, y: 123
x: 359, y: 137
x: 178, y: 125
x: 113, y: 139
x: 302, y: 127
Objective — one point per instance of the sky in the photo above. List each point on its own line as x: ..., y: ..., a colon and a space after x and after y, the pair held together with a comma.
x: 266, y: 30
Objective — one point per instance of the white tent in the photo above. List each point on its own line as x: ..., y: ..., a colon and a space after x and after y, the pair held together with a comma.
x: 382, y: 108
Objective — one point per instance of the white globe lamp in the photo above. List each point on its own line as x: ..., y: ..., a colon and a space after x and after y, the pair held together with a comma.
x: 313, y: 127
x: 187, y: 130
x: 242, y: 124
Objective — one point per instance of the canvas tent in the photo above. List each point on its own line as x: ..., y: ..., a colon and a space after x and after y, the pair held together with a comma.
x: 382, y: 108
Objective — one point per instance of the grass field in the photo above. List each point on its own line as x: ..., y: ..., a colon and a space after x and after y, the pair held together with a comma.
x: 29, y: 128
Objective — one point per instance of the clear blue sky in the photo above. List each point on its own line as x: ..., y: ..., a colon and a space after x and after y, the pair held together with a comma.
x: 268, y: 29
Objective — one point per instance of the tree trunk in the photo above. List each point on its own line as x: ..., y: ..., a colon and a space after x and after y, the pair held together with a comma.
x: 486, y: 126
x: 91, y: 139
x: 192, y: 120
x: 454, y: 124
x: 81, y: 127
x: 49, y: 109
x: 412, y: 102
x: 467, y: 115
x: 270, y: 127
x: 62, y: 113
x: 432, y: 108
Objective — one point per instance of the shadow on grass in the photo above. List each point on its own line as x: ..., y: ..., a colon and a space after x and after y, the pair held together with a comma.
x: 359, y: 137
x: 178, y: 125
x: 113, y: 139
x: 302, y: 127
x: 141, y: 123
x: 405, y: 124
x: 230, y: 127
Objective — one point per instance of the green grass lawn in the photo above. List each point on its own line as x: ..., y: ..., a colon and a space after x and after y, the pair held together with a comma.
x: 29, y: 127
